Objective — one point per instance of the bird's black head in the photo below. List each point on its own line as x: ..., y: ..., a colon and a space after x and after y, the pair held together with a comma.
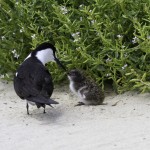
x: 44, y: 46
x: 75, y: 75
x: 46, y: 52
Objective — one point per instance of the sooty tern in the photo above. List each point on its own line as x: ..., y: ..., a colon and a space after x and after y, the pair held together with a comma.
x: 33, y: 81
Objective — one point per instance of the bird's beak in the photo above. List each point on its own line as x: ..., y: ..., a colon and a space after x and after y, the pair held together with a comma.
x: 68, y: 73
x: 60, y: 64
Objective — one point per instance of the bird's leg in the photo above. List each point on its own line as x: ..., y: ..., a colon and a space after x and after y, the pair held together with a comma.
x: 27, y: 106
x: 44, y: 109
x: 80, y: 104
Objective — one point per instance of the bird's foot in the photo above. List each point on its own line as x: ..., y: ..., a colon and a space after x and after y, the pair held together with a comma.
x: 79, y: 104
x: 44, y: 111
x: 29, y: 114
x: 104, y: 104
x: 27, y: 107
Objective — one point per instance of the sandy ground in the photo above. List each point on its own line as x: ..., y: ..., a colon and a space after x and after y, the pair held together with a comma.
x: 125, y: 126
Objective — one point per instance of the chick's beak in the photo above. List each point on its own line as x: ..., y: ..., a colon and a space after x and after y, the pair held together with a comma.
x: 68, y: 73
x: 60, y: 64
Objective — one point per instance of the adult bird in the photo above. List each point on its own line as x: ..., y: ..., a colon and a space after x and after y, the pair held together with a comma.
x: 32, y: 81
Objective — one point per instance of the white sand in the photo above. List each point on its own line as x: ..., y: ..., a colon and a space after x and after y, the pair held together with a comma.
x: 125, y: 126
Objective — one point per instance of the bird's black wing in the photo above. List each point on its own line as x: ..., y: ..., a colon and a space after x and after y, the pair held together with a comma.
x: 33, y: 80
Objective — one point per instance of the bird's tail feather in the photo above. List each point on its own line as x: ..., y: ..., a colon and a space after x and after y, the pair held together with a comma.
x: 42, y: 100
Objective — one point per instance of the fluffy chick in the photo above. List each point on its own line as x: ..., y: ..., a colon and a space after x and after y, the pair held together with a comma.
x: 88, y: 91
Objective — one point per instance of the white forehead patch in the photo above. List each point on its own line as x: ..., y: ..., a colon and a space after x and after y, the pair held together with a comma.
x: 45, y: 55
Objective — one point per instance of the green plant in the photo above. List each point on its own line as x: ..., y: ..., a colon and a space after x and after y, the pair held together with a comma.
x: 109, y: 39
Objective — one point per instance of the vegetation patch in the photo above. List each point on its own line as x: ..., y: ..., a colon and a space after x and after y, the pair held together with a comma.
x: 109, y: 39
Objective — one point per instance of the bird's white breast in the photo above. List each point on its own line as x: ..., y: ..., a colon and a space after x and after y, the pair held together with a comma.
x: 71, y: 85
x: 81, y: 95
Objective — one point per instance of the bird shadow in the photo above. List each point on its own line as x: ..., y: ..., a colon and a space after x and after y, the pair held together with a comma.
x: 51, y: 116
